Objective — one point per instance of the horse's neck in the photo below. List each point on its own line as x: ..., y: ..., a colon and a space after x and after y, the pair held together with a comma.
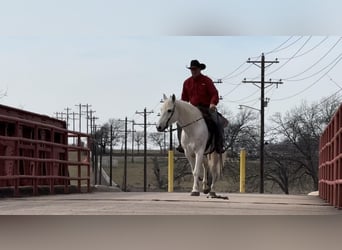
x: 187, y: 113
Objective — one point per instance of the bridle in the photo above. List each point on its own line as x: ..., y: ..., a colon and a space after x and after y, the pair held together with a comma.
x: 172, y: 112
x: 186, y: 125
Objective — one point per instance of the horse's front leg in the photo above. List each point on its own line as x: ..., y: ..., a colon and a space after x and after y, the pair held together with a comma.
x: 192, y: 160
x: 196, y: 174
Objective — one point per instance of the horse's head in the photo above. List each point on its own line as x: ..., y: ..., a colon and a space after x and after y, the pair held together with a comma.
x: 167, y: 113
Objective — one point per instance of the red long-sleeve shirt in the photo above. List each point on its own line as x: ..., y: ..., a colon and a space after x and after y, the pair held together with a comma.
x: 200, y: 90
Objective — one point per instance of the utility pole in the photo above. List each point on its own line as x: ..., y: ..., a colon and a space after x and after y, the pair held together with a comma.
x: 80, y: 115
x: 91, y: 121
x: 87, y: 115
x: 67, y: 116
x: 263, y: 104
x: 73, y: 124
x: 132, y: 150
x: 125, y: 152
x: 94, y: 146
x: 132, y: 160
x: 60, y: 115
x: 79, y: 118
x: 145, y: 146
x: 111, y: 156
x: 73, y: 120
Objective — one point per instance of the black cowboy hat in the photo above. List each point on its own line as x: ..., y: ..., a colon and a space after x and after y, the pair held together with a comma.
x: 196, y: 64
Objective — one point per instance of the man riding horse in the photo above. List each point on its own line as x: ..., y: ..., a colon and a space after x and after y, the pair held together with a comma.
x: 201, y: 92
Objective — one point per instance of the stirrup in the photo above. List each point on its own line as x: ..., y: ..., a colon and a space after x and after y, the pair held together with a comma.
x: 180, y: 149
x: 220, y: 149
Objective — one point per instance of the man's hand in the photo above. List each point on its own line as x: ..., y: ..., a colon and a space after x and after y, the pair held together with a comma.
x: 212, y: 107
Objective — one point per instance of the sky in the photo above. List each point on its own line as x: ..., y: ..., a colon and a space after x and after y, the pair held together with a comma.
x: 120, y: 57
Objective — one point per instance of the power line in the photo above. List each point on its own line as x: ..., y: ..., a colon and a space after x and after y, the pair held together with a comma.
x: 239, y: 100
x: 227, y: 77
x: 231, y: 76
x: 316, y: 73
x: 314, y: 64
x: 309, y: 50
x: 311, y: 85
x: 337, y: 84
x: 278, y: 47
x: 292, y: 57
x: 277, y: 69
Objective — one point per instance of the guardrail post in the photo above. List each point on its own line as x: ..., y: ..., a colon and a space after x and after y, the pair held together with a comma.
x: 170, y: 164
x: 170, y: 170
x: 242, y: 170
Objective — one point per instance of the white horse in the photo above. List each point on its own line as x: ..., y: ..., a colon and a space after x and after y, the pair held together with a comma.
x: 194, y: 139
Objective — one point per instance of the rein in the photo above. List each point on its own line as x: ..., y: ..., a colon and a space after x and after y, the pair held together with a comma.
x: 191, y: 122
x: 186, y: 125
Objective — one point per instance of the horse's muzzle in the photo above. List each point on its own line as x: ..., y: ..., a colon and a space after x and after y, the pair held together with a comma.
x: 160, y: 128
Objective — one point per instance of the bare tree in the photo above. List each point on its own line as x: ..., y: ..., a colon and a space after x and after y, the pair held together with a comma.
x: 242, y: 132
x: 139, y: 139
x: 160, y: 178
x: 101, y: 136
x: 182, y: 168
x: 158, y: 139
x: 301, y: 128
x: 283, y: 166
x: 117, y: 132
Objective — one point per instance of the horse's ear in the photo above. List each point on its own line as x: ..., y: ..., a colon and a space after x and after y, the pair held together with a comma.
x: 164, y: 97
x: 173, y: 98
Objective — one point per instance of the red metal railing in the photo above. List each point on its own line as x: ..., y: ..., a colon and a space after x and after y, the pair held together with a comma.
x: 330, y: 161
x: 35, y: 154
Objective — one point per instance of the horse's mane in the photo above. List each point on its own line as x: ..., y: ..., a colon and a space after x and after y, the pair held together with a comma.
x: 188, y: 107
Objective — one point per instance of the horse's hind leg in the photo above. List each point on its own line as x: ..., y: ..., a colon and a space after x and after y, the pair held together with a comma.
x: 212, y: 192
x: 214, y: 173
x: 207, y: 183
x: 206, y: 176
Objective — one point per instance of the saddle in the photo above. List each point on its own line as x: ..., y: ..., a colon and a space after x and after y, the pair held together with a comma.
x: 215, y: 139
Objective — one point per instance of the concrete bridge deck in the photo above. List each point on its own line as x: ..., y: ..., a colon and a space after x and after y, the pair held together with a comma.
x: 163, y: 203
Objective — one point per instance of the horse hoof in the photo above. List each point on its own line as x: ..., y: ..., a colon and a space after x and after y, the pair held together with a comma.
x: 195, y: 194
x: 207, y: 190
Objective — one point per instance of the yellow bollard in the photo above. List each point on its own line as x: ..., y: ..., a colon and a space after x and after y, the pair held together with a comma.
x: 170, y: 171
x: 242, y: 170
